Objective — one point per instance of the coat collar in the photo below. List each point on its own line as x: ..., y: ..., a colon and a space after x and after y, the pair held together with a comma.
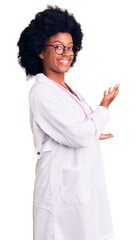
x: 40, y: 77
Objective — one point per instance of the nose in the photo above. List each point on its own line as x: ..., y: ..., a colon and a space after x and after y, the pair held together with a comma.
x: 65, y: 51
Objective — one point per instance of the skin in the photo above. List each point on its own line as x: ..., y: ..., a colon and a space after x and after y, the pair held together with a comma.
x: 54, y: 69
x: 107, y: 99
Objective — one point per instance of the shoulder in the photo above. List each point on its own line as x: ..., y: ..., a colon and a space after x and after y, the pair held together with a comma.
x: 39, y: 88
x: 43, y: 92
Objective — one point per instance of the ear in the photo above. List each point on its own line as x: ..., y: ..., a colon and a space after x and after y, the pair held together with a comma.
x: 41, y: 55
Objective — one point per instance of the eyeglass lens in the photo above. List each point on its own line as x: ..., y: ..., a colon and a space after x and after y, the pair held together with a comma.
x: 60, y: 49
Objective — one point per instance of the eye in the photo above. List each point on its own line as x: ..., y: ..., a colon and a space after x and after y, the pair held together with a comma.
x: 70, y: 48
x: 59, y: 47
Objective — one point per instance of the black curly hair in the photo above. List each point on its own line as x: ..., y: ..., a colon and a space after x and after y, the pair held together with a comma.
x: 34, y: 37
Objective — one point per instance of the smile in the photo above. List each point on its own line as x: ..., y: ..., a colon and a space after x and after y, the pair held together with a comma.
x: 63, y: 61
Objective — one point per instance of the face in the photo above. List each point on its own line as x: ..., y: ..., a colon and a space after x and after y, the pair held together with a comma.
x: 52, y: 62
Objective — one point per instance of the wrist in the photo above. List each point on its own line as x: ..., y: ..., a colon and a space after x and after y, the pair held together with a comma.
x: 104, y: 105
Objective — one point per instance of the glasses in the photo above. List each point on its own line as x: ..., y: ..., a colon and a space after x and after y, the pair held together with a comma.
x: 60, y: 49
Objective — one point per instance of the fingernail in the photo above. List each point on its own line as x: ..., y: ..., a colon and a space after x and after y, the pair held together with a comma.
x: 117, y: 85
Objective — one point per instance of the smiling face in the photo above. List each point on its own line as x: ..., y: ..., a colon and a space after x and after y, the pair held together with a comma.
x: 52, y: 62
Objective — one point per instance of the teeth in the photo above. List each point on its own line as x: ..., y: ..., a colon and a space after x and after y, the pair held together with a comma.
x: 64, y: 61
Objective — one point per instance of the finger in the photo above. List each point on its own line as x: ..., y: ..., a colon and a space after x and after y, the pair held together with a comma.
x: 117, y: 85
x: 110, y: 90
x: 105, y: 136
x: 116, y: 89
x: 105, y: 93
x: 116, y: 93
x: 108, y: 135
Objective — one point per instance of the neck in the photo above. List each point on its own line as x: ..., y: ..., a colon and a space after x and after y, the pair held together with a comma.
x: 57, y: 77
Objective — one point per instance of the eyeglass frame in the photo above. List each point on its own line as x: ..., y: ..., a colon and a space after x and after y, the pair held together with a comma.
x: 53, y: 45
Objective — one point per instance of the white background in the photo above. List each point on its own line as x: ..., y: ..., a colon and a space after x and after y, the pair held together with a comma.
x: 107, y: 58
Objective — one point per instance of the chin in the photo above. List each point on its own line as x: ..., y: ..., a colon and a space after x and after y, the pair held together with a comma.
x: 64, y: 70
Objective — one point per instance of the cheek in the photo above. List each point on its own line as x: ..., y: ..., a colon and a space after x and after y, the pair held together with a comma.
x: 49, y: 59
x: 72, y: 59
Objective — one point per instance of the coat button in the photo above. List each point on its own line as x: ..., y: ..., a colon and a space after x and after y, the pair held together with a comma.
x: 38, y: 153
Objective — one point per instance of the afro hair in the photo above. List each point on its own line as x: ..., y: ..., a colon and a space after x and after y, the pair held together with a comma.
x: 34, y: 37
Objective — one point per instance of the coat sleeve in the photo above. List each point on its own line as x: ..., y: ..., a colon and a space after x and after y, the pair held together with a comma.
x: 57, y: 121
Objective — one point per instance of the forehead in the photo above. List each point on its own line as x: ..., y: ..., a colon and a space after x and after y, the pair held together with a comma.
x: 64, y: 38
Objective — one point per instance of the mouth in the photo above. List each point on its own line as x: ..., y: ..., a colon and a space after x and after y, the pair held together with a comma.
x: 64, y: 61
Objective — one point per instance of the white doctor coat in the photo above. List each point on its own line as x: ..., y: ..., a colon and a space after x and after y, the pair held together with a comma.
x: 70, y: 199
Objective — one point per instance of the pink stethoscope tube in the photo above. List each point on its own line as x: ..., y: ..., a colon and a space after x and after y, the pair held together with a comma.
x: 72, y: 96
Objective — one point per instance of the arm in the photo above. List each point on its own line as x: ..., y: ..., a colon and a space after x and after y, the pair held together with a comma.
x: 56, y: 120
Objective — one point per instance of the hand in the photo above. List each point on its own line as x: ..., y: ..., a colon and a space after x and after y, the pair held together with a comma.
x: 110, y: 96
x: 105, y: 136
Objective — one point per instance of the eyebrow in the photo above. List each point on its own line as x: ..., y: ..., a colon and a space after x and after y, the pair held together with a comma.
x: 60, y: 42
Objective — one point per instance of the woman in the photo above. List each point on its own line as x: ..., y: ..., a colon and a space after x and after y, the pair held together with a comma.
x: 70, y: 199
